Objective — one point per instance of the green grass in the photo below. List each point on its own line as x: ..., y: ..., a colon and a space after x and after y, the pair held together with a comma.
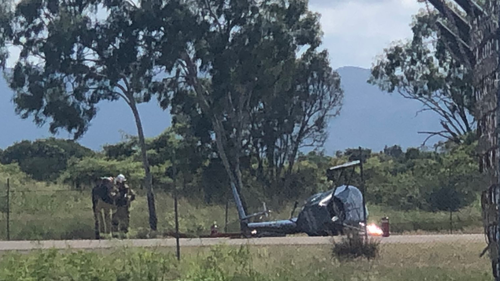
x: 53, y: 212
x: 467, y: 220
x: 457, y: 261
x: 68, y: 215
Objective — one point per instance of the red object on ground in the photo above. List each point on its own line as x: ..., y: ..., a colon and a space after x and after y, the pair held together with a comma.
x: 385, y: 227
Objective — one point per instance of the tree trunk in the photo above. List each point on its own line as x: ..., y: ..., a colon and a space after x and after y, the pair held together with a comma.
x: 192, y: 78
x: 288, y: 173
x: 291, y: 160
x: 148, y: 180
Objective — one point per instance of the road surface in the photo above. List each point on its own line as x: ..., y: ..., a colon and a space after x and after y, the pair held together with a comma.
x: 198, y: 242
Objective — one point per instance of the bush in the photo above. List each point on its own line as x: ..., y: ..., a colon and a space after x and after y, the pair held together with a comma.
x: 84, y: 172
x: 44, y: 159
x: 353, y: 246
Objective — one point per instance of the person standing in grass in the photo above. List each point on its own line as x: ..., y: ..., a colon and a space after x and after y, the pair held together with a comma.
x: 126, y: 195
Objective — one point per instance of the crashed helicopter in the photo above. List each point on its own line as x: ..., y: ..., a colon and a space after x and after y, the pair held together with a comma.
x: 323, y: 214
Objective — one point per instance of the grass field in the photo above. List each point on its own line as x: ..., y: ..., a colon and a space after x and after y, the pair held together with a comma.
x: 40, y: 211
x: 457, y: 261
x: 68, y: 215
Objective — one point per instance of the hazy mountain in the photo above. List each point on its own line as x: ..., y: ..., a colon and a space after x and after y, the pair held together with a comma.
x: 369, y: 118
x: 372, y: 118
x: 112, y: 120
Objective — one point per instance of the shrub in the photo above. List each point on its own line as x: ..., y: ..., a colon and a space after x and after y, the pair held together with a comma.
x: 353, y: 246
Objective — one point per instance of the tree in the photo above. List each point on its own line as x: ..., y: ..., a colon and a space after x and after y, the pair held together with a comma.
x: 176, y: 141
x: 289, y: 120
x: 424, y: 70
x: 44, y: 159
x: 354, y: 154
x: 241, y: 52
x: 454, y: 179
x: 119, y: 151
x: 5, y: 29
x: 83, y: 172
x: 394, y: 151
x: 70, y: 61
x: 317, y: 97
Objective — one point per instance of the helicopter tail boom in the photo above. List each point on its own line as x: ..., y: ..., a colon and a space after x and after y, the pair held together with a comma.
x: 239, y: 205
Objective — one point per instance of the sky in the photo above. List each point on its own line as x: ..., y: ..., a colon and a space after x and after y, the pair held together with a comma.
x: 355, y: 31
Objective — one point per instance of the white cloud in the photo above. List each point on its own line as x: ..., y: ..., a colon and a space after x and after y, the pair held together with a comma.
x: 356, y: 31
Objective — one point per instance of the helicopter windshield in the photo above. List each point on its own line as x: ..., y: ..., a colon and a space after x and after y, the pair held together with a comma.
x: 352, y: 198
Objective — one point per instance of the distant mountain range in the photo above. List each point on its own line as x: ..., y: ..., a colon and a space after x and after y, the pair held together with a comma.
x: 369, y: 118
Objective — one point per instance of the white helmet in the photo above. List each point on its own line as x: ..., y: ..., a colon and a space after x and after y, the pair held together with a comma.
x: 120, y: 178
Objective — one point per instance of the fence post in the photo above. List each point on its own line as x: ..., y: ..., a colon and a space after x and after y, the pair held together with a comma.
x: 451, y: 221
x: 176, y: 211
x: 8, y: 210
x: 177, y: 226
x: 226, y: 218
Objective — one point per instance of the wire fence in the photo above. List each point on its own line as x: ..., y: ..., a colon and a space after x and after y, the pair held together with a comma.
x: 53, y: 214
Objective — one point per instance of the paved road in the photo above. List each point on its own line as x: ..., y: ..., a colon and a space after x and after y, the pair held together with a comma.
x: 197, y: 242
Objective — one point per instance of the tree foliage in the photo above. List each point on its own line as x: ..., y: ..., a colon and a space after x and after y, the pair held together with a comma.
x: 44, y: 159
x: 423, y: 69
x: 239, y: 70
x: 446, y: 179
x: 431, y: 181
x: 82, y: 173
x: 5, y: 29
x: 288, y: 121
x: 413, y: 179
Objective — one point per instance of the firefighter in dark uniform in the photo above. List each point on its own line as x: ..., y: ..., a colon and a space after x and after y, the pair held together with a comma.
x: 124, y: 197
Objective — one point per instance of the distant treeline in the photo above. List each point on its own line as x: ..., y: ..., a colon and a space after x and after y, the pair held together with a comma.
x: 442, y: 179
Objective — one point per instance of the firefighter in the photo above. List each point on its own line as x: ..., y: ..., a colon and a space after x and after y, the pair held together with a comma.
x: 214, y: 230
x: 103, y: 198
x: 125, y: 196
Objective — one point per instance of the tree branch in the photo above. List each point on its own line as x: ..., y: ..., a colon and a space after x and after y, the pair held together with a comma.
x: 123, y: 94
x: 433, y: 134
